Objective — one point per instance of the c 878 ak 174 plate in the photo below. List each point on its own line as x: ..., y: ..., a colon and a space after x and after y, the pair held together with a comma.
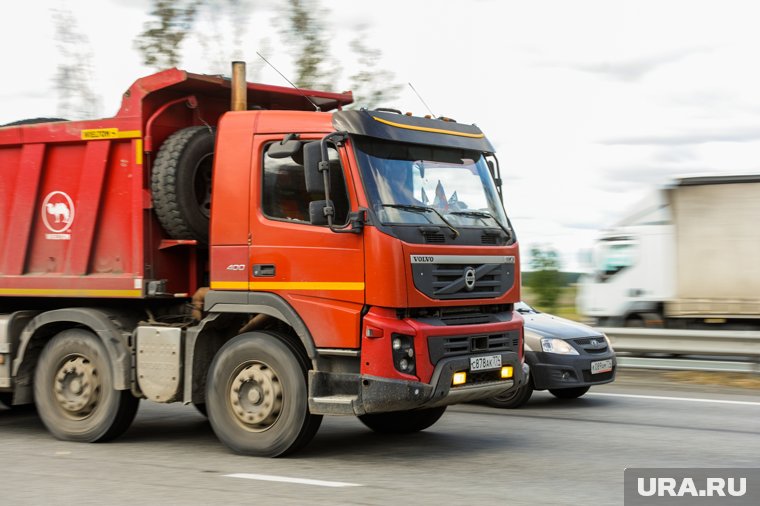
x: 485, y: 363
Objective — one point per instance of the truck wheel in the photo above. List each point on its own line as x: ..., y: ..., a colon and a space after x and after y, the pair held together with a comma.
x: 512, y: 399
x: 568, y: 393
x: 402, y: 422
x: 181, y: 183
x: 73, y: 390
x: 257, y: 397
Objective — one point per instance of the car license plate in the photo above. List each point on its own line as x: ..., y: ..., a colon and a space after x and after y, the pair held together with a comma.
x: 485, y: 363
x: 601, y: 366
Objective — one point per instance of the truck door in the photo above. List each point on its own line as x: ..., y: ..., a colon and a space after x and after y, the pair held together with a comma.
x: 319, y: 272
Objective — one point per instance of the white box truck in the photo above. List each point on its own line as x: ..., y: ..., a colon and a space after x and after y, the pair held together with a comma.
x: 686, y: 257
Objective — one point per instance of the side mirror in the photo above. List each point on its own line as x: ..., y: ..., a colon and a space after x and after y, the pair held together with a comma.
x: 285, y: 148
x: 312, y: 155
x: 318, y: 211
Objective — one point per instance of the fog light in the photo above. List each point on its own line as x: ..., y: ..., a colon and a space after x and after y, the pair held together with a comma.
x: 507, y: 372
x: 459, y: 378
x: 403, y: 353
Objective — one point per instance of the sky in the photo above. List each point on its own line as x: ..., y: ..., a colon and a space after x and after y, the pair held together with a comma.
x: 590, y: 104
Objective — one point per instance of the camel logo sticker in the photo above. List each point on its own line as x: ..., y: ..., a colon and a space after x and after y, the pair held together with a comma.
x: 58, y: 215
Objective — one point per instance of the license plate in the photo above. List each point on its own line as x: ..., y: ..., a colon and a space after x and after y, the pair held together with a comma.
x: 485, y: 363
x: 601, y: 366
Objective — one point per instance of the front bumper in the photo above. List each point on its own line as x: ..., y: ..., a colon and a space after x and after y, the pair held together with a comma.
x: 382, y: 394
x: 554, y: 371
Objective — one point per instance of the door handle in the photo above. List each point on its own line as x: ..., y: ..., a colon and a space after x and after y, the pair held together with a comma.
x: 263, y: 270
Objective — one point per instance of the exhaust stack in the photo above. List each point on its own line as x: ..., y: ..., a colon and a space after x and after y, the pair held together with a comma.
x: 239, y: 87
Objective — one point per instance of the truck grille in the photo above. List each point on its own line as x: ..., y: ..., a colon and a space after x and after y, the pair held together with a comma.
x: 461, y: 315
x: 447, y: 281
x: 450, y: 346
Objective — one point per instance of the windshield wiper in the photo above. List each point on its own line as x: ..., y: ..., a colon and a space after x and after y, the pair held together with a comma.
x: 424, y: 209
x: 484, y: 214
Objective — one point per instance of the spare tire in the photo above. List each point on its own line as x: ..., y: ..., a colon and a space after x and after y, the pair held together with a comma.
x: 181, y: 183
x: 33, y: 121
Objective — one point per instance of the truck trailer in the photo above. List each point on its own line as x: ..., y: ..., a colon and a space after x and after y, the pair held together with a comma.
x: 260, y: 252
x: 685, y: 257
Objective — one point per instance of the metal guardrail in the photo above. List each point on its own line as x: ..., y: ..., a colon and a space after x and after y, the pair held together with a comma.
x: 734, y: 351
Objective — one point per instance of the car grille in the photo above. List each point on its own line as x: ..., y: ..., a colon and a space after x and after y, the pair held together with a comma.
x: 587, y: 345
x: 450, y: 346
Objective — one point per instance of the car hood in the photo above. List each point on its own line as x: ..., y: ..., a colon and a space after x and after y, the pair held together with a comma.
x: 547, y: 325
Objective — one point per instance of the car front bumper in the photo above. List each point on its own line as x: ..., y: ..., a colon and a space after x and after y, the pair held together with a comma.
x: 554, y: 371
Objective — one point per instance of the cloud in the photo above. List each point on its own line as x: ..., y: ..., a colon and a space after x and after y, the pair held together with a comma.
x: 634, y: 69
x: 689, y: 137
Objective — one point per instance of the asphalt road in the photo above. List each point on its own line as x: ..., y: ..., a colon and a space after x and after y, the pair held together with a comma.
x: 550, y: 452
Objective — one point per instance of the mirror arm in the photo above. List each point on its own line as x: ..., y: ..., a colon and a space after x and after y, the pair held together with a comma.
x: 324, y: 168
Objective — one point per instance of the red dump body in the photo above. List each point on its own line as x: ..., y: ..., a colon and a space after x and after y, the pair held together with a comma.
x: 75, y: 196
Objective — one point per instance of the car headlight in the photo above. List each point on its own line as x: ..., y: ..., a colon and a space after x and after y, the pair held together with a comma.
x: 559, y: 346
x: 609, y: 343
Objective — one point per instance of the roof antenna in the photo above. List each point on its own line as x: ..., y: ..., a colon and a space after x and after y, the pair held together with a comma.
x: 421, y: 100
x: 289, y: 81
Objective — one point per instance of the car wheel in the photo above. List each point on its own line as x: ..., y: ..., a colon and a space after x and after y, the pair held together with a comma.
x: 512, y: 399
x: 568, y: 393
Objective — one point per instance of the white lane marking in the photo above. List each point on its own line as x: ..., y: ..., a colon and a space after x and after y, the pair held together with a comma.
x: 686, y: 399
x: 285, y: 479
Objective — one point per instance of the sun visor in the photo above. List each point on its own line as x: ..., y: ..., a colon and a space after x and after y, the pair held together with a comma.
x: 411, y: 129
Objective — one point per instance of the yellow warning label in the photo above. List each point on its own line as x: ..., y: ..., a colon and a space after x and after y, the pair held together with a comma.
x: 108, y: 133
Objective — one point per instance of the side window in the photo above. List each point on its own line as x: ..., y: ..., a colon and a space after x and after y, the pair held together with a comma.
x: 284, y: 190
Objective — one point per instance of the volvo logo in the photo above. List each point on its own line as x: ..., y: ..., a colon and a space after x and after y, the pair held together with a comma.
x: 469, y: 278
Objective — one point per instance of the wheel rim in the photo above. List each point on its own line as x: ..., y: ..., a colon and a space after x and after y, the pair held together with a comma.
x: 77, y: 387
x: 256, y: 396
x: 202, y: 182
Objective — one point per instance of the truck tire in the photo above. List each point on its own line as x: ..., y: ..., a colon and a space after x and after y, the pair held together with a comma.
x: 568, y: 393
x: 515, y: 398
x: 402, y: 422
x: 181, y: 183
x: 73, y: 390
x: 257, y: 396
x: 33, y: 121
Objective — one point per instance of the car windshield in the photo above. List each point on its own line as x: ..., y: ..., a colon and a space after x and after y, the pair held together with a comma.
x: 416, y: 184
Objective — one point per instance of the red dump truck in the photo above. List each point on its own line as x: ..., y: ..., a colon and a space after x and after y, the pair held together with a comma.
x: 269, y: 262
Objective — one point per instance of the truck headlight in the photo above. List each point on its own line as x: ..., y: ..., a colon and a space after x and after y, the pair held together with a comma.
x: 559, y: 346
x: 403, y: 353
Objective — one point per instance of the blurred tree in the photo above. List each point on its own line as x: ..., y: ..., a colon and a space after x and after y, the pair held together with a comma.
x: 306, y: 37
x: 546, y: 278
x: 371, y: 85
x: 74, y: 76
x: 161, y: 39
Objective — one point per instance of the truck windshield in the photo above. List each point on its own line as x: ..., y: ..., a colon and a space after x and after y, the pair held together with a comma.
x: 416, y: 184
